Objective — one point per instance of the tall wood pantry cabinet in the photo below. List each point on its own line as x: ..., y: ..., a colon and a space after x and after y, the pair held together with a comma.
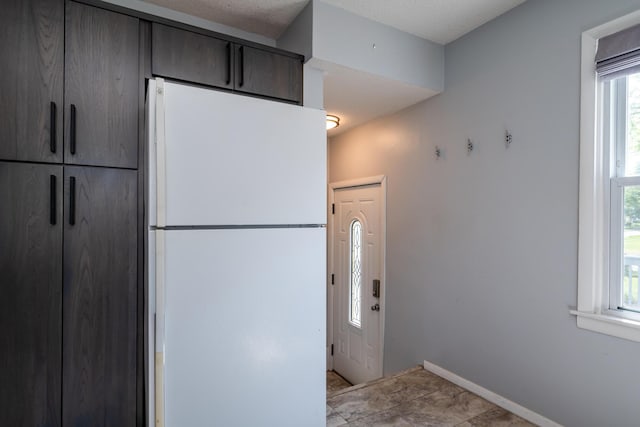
x: 68, y: 215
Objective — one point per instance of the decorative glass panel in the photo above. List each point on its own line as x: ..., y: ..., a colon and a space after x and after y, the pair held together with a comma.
x: 356, y: 274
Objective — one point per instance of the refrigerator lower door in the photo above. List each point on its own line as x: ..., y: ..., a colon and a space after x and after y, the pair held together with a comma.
x: 245, y: 327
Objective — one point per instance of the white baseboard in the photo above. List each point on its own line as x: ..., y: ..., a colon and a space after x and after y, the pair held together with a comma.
x: 492, y: 397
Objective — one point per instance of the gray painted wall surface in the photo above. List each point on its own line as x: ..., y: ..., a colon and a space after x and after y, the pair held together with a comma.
x: 331, y: 35
x: 298, y: 36
x: 313, y: 84
x: 482, y: 248
x: 344, y: 38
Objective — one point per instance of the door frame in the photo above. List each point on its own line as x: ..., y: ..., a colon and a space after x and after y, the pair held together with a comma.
x: 354, y: 183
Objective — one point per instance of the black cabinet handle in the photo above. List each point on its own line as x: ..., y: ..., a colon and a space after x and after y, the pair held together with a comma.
x: 72, y: 201
x: 228, y: 62
x: 52, y: 200
x: 72, y: 131
x: 241, y: 82
x: 52, y: 128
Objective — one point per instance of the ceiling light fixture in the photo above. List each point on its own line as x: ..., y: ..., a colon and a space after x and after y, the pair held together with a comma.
x: 332, y: 121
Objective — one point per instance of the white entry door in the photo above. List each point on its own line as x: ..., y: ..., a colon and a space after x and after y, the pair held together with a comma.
x: 358, y: 309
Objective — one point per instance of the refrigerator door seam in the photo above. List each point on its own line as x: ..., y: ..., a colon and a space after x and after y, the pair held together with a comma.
x: 237, y: 227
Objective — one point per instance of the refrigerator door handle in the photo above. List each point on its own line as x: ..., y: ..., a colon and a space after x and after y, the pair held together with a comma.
x: 160, y: 327
x: 161, y: 150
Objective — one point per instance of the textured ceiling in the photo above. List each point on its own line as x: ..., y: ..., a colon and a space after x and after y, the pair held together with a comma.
x: 268, y: 18
x: 441, y: 21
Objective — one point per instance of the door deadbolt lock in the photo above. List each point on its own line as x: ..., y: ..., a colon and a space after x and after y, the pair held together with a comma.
x: 375, y: 307
x: 376, y: 288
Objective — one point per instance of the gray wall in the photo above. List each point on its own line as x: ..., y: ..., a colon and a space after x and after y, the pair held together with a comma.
x: 482, y: 248
x: 344, y: 38
x: 327, y: 35
x: 298, y: 37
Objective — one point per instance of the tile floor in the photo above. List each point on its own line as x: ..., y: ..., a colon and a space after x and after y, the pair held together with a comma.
x: 335, y: 382
x: 414, y: 397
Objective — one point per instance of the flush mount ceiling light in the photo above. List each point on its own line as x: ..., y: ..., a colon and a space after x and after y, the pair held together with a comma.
x: 332, y: 121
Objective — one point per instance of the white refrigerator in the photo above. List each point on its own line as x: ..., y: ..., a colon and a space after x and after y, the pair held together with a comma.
x: 237, y: 237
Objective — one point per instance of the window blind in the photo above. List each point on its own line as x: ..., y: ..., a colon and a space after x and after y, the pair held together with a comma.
x: 619, y: 54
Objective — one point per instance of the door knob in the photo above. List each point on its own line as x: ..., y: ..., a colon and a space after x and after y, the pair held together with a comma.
x: 375, y: 307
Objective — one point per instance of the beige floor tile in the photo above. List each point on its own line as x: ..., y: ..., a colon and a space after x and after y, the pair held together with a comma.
x: 497, y: 417
x: 334, y: 419
x: 335, y: 382
x: 417, y: 398
x: 359, y: 403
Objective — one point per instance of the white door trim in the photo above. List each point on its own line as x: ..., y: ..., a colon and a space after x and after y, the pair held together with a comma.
x: 358, y: 182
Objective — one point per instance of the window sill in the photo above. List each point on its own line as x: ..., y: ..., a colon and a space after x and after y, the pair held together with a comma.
x: 610, y: 325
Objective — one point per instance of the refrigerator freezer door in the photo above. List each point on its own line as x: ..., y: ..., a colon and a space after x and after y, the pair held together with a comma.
x: 245, y: 327
x: 237, y: 160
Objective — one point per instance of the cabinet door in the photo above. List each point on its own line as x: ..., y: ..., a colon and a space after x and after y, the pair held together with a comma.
x: 268, y: 74
x: 30, y: 294
x: 191, y: 57
x: 32, y: 49
x: 100, y: 295
x: 101, y: 84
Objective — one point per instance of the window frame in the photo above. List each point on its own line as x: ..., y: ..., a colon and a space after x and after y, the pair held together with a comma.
x: 595, y: 222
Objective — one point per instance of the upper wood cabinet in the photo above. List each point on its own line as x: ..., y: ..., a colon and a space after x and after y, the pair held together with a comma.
x: 191, y: 57
x: 101, y: 85
x: 31, y: 82
x: 197, y: 58
x: 267, y: 73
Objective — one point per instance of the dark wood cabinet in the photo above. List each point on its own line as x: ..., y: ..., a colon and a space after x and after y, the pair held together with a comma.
x: 267, y: 73
x: 31, y: 294
x: 192, y: 57
x: 100, y: 297
x: 101, y: 87
x: 31, y: 82
x: 69, y: 305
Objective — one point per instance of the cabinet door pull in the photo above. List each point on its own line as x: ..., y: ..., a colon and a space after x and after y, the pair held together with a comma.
x: 52, y: 200
x: 241, y: 82
x: 72, y: 131
x: 228, y: 62
x: 72, y: 201
x: 52, y: 128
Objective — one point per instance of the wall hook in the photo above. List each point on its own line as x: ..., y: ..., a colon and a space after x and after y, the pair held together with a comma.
x: 438, y: 152
x: 508, y: 138
x: 469, y: 146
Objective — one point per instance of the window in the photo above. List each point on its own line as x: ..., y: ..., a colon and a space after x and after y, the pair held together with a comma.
x: 621, y: 134
x: 356, y: 273
x: 609, y: 225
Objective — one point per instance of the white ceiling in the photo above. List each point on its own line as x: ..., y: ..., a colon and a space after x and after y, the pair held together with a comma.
x: 356, y: 97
